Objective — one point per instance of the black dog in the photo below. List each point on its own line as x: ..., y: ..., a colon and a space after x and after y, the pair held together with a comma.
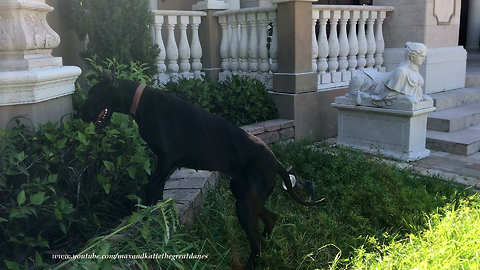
x: 184, y: 135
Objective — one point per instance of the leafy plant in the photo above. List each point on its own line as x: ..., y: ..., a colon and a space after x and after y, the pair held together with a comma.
x: 151, y: 236
x: 59, y: 186
x: 134, y: 71
x: 240, y: 100
x: 117, y: 29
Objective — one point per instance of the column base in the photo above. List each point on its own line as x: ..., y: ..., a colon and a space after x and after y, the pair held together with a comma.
x: 41, y: 95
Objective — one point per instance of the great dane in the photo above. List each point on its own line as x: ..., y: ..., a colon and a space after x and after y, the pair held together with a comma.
x: 182, y: 134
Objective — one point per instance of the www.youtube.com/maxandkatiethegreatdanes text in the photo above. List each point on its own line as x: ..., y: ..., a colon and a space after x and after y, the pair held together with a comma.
x: 153, y: 256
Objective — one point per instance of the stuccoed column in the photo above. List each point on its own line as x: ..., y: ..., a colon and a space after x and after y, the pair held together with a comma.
x: 33, y: 83
x: 295, y: 85
x: 436, y: 24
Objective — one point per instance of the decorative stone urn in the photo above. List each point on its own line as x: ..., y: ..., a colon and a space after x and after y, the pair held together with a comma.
x: 387, y: 112
x: 33, y: 83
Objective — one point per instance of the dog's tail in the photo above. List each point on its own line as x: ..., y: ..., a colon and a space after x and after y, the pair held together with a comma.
x: 288, y: 184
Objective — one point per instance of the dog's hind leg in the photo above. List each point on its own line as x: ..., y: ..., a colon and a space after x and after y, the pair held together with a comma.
x: 248, y: 210
x: 269, y: 218
x: 157, y: 182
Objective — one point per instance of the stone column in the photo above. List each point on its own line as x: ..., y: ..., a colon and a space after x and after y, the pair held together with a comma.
x: 211, y: 36
x: 434, y: 23
x: 473, y: 26
x: 33, y: 83
x: 295, y: 85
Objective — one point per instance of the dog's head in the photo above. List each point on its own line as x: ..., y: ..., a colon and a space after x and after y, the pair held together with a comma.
x: 98, y: 107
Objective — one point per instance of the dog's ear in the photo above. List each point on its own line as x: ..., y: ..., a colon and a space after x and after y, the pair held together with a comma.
x: 107, y: 77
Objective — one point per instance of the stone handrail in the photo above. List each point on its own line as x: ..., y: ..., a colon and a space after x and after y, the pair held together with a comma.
x: 184, y: 51
x: 243, y: 48
x: 339, y: 56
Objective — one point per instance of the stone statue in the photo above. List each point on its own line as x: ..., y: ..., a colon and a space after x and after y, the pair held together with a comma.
x: 404, y: 84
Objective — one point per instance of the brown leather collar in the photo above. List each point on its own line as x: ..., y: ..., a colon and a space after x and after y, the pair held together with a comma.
x: 136, y: 99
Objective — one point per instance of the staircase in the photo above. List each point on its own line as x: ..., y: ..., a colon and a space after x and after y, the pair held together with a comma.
x: 455, y: 126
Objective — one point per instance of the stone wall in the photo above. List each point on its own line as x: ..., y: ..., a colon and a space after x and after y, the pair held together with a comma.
x: 272, y: 131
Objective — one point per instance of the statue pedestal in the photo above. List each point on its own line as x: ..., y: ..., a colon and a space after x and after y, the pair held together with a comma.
x: 398, y: 131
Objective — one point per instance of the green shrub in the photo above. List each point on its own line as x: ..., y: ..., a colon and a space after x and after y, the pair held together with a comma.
x: 116, y: 29
x: 240, y: 100
x: 134, y: 71
x: 60, y: 186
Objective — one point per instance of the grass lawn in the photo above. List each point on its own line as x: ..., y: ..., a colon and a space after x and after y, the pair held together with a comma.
x: 375, y: 216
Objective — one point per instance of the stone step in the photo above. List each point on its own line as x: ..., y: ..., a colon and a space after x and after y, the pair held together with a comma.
x: 462, y: 142
x: 457, y: 97
x: 453, y: 119
x: 472, y: 80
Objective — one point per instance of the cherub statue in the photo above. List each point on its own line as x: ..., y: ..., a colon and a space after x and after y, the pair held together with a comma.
x: 403, y: 84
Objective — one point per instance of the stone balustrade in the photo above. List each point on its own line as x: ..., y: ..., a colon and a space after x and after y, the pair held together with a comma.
x: 249, y: 44
x: 354, y: 42
x: 183, y: 59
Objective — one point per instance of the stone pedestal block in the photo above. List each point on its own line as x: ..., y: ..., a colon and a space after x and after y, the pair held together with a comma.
x: 398, y: 131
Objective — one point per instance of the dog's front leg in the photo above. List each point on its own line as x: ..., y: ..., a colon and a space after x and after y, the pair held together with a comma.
x: 156, y: 184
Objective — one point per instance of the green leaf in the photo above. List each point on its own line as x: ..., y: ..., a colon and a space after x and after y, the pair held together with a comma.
x: 137, y: 158
x: 38, y: 259
x: 3, y: 220
x: 23, y: 170
x: 109, y: 165
x: 52, y: 178
x: 82, y: 138
x: 37, y: 199
x: 63, y: 227
x: 21, y: 156
x: 106, y: 187
x: 90, y: 129
x: 61, y: 144
x: 42, y: 242
x: 58, y: 214
x: 50, y: 137
x: 21, y: 197
x: 12, y: 265
x: 131, y: 172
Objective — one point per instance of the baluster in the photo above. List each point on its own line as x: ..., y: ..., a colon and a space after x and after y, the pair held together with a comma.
x: 334, y: 46
x: 253, y: 45
x: 234, y: 45
x: 172, y: 50
x: 362, y: 40
x: 272, y: 15
x: 323, y: 48
x: 353, y: 41
x: 242, y: 18
x: 224, y: 45
x: 315, y: 17
x: 162, y: 68
x: 184, y: 47
x: 196, y: 47
x: 371, y: 46
x: 344, y: 47
x: 379, y: 40
x: 262, y: 46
